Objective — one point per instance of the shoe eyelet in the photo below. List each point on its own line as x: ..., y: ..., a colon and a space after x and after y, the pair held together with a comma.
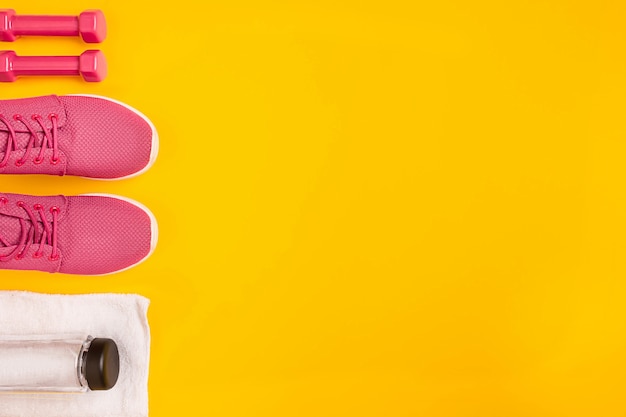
x: 21, y: 204
x: 55, y: 161
x: 37, y: 255
x: 37, y: 161
x: 35, y: 117
x: 19, y: 257
x: 55, y: 209
x: 37, y: 206
x: 17, y: 117
x: 19, y: 163
x: 53, y: 258
x: 52, y: 116
x: 4, y: 200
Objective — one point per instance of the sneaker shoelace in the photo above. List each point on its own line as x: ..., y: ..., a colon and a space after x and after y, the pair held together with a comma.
x: 32, y: 235
x: 49, y: 140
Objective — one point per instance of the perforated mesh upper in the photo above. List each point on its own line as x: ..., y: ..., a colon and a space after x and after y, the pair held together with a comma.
x: 96, y: 235
x: 97, y: 138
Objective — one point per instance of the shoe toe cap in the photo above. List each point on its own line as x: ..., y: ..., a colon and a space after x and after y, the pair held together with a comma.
x: 103, y: 235
x: 106, y: 139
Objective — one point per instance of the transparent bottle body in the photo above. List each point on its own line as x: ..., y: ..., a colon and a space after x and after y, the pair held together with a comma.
x: 43, y: 363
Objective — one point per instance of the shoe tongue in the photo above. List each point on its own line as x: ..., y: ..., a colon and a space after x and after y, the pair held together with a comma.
x: 11, y: 229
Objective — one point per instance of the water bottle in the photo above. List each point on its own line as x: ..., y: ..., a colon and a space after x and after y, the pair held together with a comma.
x: 58, y: 364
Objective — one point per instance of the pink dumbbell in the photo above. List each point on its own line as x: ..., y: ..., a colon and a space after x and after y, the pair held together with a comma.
x: 90, y: 25
x: 91, y: 65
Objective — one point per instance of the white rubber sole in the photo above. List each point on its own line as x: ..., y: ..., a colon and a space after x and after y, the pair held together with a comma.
x: 154, y: 150
x: 154, y: 228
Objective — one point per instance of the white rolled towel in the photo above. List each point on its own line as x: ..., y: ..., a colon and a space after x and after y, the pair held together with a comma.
x: 121, y: 317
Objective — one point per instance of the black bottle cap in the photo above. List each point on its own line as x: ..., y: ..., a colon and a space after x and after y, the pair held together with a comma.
x: 102, y: 364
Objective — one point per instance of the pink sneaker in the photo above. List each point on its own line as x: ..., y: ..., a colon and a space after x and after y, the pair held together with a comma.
x: 86, y: 235
x: 88, y: 136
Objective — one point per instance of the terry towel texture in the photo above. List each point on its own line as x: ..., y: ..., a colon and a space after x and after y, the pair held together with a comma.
x: 121, y: 317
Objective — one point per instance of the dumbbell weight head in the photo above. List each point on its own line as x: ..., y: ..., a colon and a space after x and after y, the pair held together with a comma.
x: 6, y: 66
x: 6, y: 23
x: 93, y: 66
x: 92, y: 26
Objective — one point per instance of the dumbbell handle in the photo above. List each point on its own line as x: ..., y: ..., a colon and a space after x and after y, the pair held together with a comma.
x: 34, y: 25
x: 46, y: 65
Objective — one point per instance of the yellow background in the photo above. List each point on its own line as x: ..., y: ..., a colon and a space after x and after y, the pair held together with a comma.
x: 370, y: 208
